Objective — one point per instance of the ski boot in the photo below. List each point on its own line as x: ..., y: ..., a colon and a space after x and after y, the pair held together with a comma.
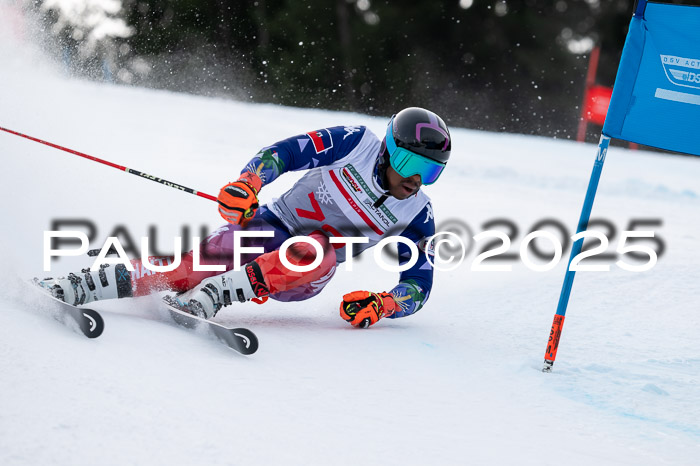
x: 211, y: 294
x: 89, y: 286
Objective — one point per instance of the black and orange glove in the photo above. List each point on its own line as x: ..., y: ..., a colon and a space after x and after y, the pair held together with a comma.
x: 238, y: 201
x: 363, y: 308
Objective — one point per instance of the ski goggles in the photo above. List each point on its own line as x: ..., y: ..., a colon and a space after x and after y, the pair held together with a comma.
x: 407, y: 163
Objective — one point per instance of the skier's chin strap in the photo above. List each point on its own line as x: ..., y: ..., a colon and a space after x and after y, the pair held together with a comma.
x: 381, y: 200
x: 380, y: 176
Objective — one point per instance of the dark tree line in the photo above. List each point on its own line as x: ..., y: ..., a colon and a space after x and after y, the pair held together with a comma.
x: 513, y: 65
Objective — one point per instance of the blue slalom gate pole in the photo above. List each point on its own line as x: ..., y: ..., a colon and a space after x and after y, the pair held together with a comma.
x: 655, y: 102
x: 558, y: 323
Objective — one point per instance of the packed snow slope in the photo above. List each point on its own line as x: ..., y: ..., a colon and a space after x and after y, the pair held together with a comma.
x: 457, y: 383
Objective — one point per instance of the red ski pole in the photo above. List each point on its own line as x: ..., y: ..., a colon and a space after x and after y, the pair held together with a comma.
x: 114, y: 165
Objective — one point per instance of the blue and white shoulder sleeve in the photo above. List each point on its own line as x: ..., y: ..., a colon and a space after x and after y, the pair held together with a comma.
x: 305, y: 151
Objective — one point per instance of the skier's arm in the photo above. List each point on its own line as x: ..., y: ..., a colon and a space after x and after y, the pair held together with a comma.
x: 365, y: 308
x: 305, y: 151
x: 415, y: 283
x: 238, y: 200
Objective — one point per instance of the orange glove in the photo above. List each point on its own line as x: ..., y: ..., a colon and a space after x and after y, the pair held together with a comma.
x: 363, y: 308
x: 238, y: 201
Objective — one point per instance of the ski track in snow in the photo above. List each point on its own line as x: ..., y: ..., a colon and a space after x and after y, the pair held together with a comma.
x: 458, y: 383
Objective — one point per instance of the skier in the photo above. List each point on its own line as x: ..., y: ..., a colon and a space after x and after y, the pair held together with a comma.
x: 356, y: 185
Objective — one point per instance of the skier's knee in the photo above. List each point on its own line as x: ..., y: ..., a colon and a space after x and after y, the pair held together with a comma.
x: 303, y: 253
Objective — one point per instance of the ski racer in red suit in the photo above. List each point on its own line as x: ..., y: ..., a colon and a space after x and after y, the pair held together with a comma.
x: 355, y: 185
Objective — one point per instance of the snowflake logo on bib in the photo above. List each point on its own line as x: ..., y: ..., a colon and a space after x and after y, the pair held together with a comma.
x: 323, y: 195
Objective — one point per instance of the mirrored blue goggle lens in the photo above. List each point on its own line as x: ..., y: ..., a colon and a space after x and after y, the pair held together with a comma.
x: 407, y: 164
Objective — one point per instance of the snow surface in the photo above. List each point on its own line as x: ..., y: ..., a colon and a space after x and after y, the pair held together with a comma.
x: 457, y: 383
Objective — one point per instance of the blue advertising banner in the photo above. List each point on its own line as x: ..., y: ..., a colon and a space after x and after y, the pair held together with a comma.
x: 656, y: 98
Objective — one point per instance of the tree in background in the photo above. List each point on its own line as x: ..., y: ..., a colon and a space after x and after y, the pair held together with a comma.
x: 500, y: 65
x: 88, y: 32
